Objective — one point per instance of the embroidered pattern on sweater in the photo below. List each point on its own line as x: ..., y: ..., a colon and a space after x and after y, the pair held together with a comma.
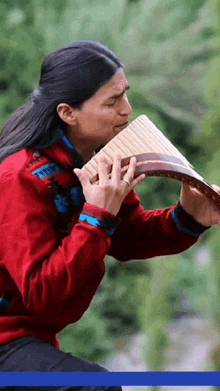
x: 47, y: 170
x: 66, y: 199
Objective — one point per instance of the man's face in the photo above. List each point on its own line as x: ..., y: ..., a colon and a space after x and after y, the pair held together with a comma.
x: 104, y: 115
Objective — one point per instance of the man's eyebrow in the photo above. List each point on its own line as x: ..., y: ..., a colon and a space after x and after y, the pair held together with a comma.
x: 119, y: 95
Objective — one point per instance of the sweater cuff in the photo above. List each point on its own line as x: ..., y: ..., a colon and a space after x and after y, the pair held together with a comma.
x: 99, y: 217
x: 186, y: 223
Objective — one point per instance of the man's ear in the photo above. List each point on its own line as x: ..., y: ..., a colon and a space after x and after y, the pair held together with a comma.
x: 67, y: 113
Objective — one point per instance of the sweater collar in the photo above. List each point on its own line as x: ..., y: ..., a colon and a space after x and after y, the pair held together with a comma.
x: 64, y: 152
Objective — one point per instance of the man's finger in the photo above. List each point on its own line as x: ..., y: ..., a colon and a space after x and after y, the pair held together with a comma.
x: 188, y: 189
x: 103, y: 174
x: 116, y: 169
x: 83, y: 178
x: 138, y: 180
x: 132, y: 166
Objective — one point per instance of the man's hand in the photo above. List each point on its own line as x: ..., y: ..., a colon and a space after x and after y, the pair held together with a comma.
x: 109, y: 193
x: 199, y: 206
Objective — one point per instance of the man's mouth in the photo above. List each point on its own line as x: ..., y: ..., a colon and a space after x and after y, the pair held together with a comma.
x: 122, y: 126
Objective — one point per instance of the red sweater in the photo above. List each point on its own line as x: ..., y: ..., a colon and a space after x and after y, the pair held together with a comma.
x: 52, y: 264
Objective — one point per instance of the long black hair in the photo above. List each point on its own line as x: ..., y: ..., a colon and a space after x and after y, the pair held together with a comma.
x: 70, y: 75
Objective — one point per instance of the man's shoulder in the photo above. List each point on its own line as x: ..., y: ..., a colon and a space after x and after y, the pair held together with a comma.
x: 16, y: 162
x: 26, y: 161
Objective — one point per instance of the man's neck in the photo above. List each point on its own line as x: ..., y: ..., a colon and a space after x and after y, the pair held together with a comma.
x: 85, y: 153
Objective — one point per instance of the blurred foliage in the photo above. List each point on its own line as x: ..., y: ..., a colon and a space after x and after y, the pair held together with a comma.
x: 209, y: 137
x: 167, y: 47
x: 21, y: 51
x: 155, y: 309
x: 113, y: 312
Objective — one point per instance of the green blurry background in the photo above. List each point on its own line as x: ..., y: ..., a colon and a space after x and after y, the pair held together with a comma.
x: 171, y: 52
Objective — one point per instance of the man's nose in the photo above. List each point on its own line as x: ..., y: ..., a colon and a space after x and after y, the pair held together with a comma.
x: 125, y: 107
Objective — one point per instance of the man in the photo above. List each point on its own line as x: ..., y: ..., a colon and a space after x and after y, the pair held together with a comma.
x: 57, y: 227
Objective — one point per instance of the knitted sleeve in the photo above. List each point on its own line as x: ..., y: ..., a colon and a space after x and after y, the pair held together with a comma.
x: 146, y: 234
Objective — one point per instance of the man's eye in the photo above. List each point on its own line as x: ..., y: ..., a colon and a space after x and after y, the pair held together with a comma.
x: 110, y: 104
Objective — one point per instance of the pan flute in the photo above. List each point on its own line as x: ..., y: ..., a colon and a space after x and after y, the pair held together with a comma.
x: 155, y: 154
